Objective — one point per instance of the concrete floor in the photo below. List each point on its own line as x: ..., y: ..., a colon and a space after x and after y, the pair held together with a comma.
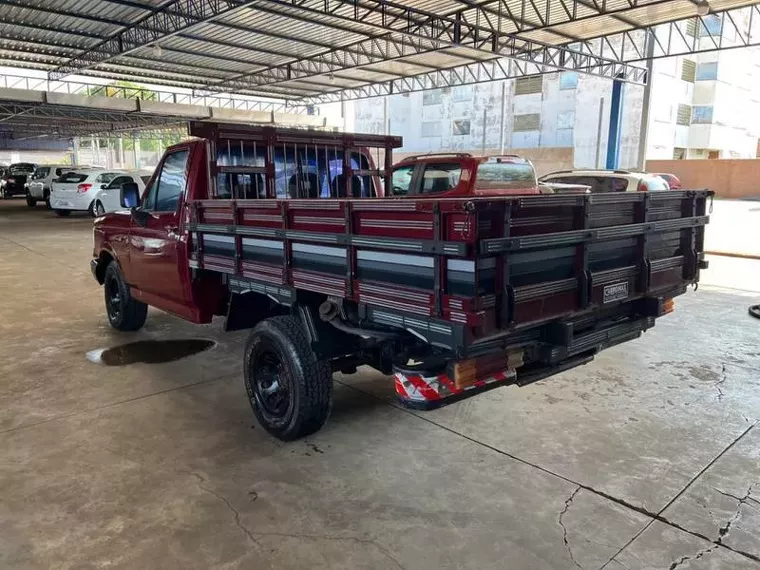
x: 735, y: 228
x: 647, y: 458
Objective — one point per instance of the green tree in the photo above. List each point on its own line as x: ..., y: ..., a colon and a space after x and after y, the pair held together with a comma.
x: 124, y: 89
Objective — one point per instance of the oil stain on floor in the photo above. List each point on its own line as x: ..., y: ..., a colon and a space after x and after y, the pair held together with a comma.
x: 149, y: 351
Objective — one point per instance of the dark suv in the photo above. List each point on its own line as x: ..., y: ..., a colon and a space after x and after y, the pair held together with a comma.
x: 16, y: 177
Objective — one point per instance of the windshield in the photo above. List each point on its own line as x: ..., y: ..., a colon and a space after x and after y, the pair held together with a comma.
x: 72, y: 177
x: 597, y: 183
x: 22, y: 168
x: 493, y: 174
x: 41, y: 172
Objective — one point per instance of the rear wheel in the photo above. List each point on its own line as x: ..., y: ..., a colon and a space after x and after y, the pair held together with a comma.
x: 47, y: 198
x: 99, y: 209
x: 289, y: 389
x: 124, y: 312
x: 62, y: 213
x: 91, y: 210
x: 30, y: 201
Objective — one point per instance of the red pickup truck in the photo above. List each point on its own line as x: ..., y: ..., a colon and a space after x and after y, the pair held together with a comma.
x: 288, y: 233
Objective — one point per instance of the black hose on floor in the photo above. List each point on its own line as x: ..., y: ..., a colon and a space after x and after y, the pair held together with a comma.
x: 754, y: 310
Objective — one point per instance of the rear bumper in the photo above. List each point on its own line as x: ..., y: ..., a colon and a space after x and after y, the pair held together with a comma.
x: 80, y: 202
x: 14, y: 190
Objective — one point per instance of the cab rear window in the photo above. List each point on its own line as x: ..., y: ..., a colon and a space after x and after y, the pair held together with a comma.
x: 492, y: 174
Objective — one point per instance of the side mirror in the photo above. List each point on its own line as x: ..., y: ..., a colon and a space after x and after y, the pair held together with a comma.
x: 104, y: 186
x: 130, y: 195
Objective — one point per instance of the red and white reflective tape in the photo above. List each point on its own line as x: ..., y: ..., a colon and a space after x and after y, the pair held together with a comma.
x: 419, y: 388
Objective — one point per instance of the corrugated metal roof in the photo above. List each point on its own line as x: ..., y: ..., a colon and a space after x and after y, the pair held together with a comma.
x: 295, y: 50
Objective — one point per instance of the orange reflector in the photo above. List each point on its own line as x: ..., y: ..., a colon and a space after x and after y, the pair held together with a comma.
x: 668, y: 305
x: 467, y: 372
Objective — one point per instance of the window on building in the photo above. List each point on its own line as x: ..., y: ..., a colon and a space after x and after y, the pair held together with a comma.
x: 431, y: 129
x: 565, y: 119
x: 707, y: 71
x: 679, y: 153
x: 662, y: 111
x: 710, y: 25
x: 701, y: 114
x: 688, y: 70
x: 529, y: 122
x: 691, y: 27
x: 684, y: 115
x: 568, y: 80
x: 432, y: 97
x: 460, y: 127
x: 528, y: 85
x: 462, y: 93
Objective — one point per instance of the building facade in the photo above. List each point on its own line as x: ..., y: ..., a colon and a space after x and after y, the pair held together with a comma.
x: 701, y: 106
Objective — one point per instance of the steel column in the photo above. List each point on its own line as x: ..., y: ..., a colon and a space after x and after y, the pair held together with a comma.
x: 616, y: 115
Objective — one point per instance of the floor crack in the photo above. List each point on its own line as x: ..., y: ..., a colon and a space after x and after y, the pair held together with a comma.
x: 241, y: 526
x: 374, y: 543
x: 697, y: 556
x: 562, y: 513
x: 720, y: 382
x: 726, y: 528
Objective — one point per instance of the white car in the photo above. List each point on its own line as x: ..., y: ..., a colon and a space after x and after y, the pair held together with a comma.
x: 109, y: 198
x: 76, y: 190
x: 608, y: 180
x: 42, y: 179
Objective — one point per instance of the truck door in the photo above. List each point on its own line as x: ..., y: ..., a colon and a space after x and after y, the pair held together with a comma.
x: 158, y: 251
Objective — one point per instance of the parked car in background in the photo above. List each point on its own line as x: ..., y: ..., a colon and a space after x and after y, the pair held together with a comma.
x: 108, y: 199
x: 76, y: 190
x: 671, y: 179
x: 38, y: 188
x: 460, y: 174
x: 16, y: 178
x: 608, y: 180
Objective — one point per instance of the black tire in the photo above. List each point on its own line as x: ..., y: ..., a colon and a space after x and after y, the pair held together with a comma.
x: 99, y: 209
x: 91, y: 210
x: 124, y: 313
x: 47, y: 198
x: 62, y: 213
x: 31, y: 202
x: 279, y: 355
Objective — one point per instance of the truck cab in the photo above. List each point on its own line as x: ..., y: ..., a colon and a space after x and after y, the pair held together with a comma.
x: 452, y: 175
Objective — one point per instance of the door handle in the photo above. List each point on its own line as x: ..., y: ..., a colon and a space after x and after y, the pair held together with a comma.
x: 172, y: 232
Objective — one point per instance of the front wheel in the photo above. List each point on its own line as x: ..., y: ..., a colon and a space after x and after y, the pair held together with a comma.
x: 62, y: 213
x: 124, y: 312
x: 30, y: 201
x: 289, y: 389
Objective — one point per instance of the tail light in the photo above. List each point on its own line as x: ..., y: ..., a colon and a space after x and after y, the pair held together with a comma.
x: 83, y: 188
x: 642, y: 186
x: 467, y: 372
x: 668, y: 306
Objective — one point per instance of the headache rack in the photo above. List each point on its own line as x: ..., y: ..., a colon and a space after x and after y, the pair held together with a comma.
x: 467, y: 275
x: 264, y: 161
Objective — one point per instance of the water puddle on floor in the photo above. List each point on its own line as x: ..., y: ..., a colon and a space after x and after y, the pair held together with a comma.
x: 149, y: 351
